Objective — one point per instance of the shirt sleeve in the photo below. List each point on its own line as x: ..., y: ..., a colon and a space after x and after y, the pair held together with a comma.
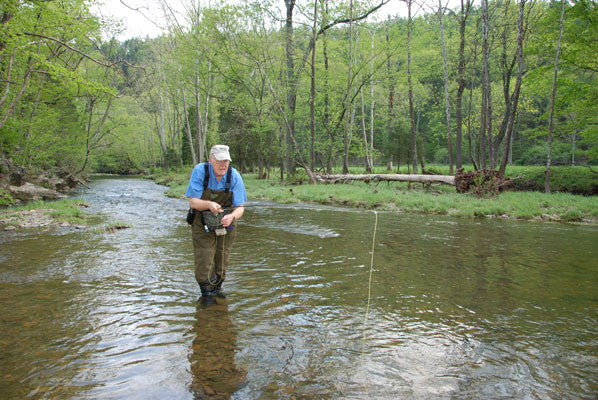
x: 238, y: 189
x: 195, y: 188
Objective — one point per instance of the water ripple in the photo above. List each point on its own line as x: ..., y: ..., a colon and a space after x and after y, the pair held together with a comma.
x: 457, y: 308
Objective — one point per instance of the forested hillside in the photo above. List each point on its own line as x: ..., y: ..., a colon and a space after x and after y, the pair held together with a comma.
x: 299, y: 84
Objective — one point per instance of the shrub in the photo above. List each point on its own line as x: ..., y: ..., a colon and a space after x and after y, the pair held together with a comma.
x: 536, y: 155
x: 441, y: 156
x: 6, y: 198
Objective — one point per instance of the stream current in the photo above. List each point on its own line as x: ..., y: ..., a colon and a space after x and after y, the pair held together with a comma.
x: 459, y: 308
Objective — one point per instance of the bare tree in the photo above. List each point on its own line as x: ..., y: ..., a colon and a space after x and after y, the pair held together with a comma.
x: 291, y: 87
x: 552, y: 97
x: 513, y: 112
x: 327, y: 128
x: 462, y: 18
x: 348, y: 94
x: 441, y: 11
x: 486, y: 105
x: 292, y: 75
x: 312, y: 94
x: 410, y: 89
x: 370, y: 148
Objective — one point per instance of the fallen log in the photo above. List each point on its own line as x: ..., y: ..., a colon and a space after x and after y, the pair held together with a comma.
x: 446, y: 179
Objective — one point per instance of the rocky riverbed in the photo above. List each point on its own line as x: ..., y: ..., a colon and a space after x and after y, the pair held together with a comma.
x: 19, y: 187
x: 30, y: 219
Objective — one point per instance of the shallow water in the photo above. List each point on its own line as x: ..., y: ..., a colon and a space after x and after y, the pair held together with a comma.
x: 457, y: 308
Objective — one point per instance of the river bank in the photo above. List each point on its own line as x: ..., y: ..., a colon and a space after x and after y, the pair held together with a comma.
x: 45, y: 215
x: 414, y: 198
x: 394, y: 197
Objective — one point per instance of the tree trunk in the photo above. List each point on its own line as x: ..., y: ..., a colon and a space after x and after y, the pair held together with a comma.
x: 364, y: 133
x: 171, y: 141
x: 552, y: 97
x: 465, y: 8
x: 312, y: 122
x: 410, y: 89
x: 515, y: 101
x: 446, y: 89
x: 291, y: 89
x: 511, y: 149
x: 16, y: 99
x: 326, y: 87
x: 486, y: 106
x: 93, y: 139
x: 573, y: 140
x: 348, y: 94
x: 282, y: 159
x: 161, y: 129
x: 507, y: 73
x: 391, y: 97
x: 370, y: 151
x: 188, y: 127
x: 8, y: 77
x: 199, y: 123
x: 206, y: 114
x: 34, y: 109
x: 472, y: 156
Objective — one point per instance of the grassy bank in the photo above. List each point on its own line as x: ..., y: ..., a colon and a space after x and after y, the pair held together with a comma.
x: 44, y: 214
x: 416, y: 198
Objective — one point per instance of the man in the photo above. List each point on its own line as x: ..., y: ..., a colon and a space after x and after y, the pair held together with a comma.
x: 220, y: 195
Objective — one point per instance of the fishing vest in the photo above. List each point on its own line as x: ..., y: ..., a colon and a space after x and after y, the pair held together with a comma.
x: 211, y: 221
x: 208, y: 219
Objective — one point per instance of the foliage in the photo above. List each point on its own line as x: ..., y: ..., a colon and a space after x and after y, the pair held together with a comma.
x: 48, y: 65
x: 536, y: 155
x: 6, y: 198
x: 577, y: 180
x: 415, y: 198
x: 103, y: 105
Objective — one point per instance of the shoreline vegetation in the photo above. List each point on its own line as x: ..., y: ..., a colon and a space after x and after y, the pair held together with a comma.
x: 45, y: 215
x: 426, y: 199
x: 400, y: 197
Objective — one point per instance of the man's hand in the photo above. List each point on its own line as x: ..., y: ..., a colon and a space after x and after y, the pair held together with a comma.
x: 227, y: 220
x: 215, y: 207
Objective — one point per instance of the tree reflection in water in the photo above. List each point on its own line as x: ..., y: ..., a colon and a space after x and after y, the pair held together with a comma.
x: 212, y: 355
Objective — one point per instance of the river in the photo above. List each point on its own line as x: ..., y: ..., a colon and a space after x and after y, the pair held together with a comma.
x: 448, y: 309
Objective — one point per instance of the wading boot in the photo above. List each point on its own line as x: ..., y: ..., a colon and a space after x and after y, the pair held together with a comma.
x: 217, y: 291
x: 207, y: 288
x: 209, y: 292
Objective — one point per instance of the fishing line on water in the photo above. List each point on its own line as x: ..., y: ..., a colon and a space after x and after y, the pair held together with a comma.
x: 367, y: 309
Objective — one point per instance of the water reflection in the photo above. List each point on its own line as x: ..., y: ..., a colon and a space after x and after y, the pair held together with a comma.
x: 212, y: 356
x: 459, y: 308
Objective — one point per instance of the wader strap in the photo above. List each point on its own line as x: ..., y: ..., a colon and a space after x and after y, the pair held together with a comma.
x: 228, y: 180
x: 206, y: 177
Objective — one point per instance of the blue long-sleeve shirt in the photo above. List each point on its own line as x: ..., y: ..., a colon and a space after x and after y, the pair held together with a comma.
x: 237, y: 187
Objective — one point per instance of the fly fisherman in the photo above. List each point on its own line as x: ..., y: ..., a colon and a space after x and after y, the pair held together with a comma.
x: 216, y: 196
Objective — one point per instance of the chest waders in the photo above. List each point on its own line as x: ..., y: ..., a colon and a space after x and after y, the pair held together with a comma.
x: 211, y: 251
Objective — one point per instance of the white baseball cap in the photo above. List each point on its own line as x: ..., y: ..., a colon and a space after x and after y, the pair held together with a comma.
x: 220, y: 152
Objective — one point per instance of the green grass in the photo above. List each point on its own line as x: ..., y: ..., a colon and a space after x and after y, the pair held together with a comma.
x: 176, y: 181
x: 65, y: 210
x: 416, y: 198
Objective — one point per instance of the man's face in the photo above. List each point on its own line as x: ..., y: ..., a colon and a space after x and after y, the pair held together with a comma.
x: 220, y: 167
